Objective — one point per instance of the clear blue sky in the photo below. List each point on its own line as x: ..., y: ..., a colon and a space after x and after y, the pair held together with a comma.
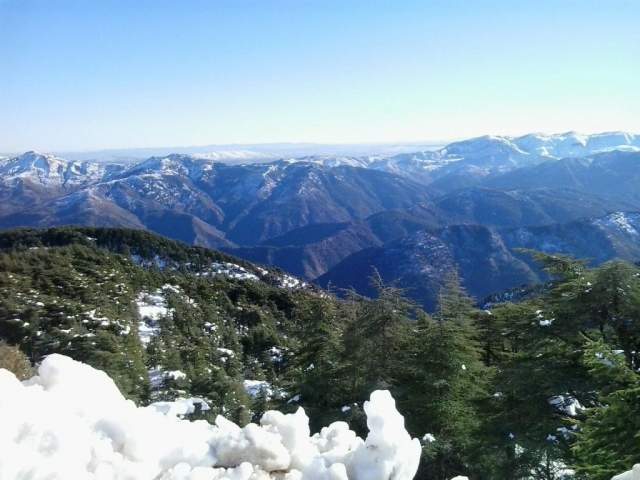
x: 92, y: 74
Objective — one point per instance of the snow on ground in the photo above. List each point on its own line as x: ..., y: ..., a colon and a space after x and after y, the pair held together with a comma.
x: 287, y: 281
x: 626, y: 223
x: 70, y: 421
x: 566, y: 404
x: 155, y: 262
x: 180, y: 407
x: 256, y: 387
x: 228, y: 269
x: 276, y: 354
x: 633, y: 474
x: 157, y: 377
x: 151, y: 308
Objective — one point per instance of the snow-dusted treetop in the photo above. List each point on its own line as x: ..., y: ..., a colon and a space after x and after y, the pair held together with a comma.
x: 70, y: 421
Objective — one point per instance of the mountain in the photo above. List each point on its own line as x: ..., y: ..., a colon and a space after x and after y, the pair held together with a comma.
x: 475, y: 157
x: 310, y: 251
x: 203, y: 202
x: 49, y: 170
x: 313, y: 250
x: 266, y: 201
x: 513, y: 208
x: 612, y: 174
x: 464, y: 163
x: 325, y: 216
x: 614, y: 236
x: 421, y: 264
x: 250, y: 153
x: 572, y: 144
x: 487, y: 259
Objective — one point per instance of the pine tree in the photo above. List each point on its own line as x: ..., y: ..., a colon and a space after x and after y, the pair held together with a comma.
x: 545, y: 357
x: 378, y: 333
x: 448, y: 381
x: 314, y: 380
x: 608, y: 442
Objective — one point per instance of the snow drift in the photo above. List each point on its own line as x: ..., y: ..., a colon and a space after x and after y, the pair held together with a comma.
x: 633, y: 474
x: 70, y: 421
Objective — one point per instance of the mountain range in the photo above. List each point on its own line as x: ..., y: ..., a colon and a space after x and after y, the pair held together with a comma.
x: 414, y: 217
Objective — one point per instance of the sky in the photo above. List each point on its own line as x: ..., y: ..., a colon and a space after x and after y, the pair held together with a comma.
x: 94, y: 74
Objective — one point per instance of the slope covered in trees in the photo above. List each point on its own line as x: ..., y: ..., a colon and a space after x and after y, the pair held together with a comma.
x: 544, y: 388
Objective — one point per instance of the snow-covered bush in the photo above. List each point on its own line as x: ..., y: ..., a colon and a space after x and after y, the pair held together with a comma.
x: 71, y: 421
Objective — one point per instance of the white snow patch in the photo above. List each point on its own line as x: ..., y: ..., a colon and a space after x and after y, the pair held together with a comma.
x: 633, y: 474
x: 151, y: 308
x: 566, y: 404
x: 226, y: 352
x: 158, y: 375
x: 623, y: 222
x: 428, y: 438
x: 227, y: 269
x: 70, y: 421
x: 180, y: 407
x: 257, y: 387
x: 287, y: 281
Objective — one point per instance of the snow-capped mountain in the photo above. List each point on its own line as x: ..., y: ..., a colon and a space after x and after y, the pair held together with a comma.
x: 308, y: 215
x: 481, y: 156
x: 336, y: 160
x: 174, y: 164
x: 572, y: 144
x: 49, y: 170
x: 195, y: 199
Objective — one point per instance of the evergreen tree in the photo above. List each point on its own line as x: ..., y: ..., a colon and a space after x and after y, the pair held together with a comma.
x: 448, y: 381
x: 314, y: 381
x: 608, y: 441
x: 376, y: 337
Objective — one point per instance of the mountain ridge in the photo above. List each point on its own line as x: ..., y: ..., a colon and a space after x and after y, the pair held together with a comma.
x: 310, y: 215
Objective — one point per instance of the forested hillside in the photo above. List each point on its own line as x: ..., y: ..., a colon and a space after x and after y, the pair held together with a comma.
x: 541, y: 388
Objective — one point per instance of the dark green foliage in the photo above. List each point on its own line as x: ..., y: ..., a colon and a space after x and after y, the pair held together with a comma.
x: 545, y: 347
x: 447, y: 383
x: 376, y: 338
x: 608, y: 442
x: 485, y: 384
x: 73, y: 291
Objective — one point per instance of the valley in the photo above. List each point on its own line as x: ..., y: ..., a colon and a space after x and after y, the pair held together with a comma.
x: 414, y: 217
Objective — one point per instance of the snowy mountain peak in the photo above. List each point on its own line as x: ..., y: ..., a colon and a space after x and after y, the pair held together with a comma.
x: 33, y: 160
x: 486, y: 144
x: 47, y: 169
x: 35, y: 165
x: 570, y: 144
x: 173, y: 164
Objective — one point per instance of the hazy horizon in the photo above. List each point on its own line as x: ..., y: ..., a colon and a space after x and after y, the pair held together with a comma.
x: 273, y: 150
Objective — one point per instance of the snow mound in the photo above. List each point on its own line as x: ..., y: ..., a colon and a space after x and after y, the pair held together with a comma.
x: 633, y: 474
x: 71, y: 421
